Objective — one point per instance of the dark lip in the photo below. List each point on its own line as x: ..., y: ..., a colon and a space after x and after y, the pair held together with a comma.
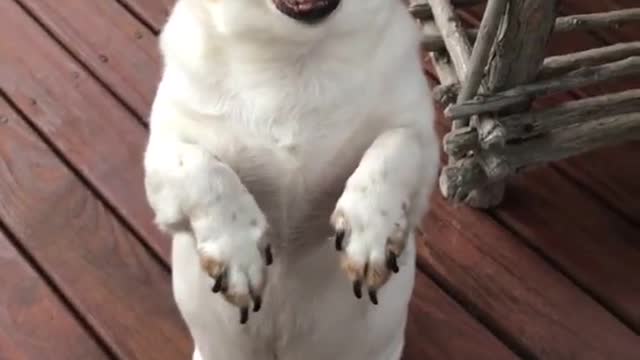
x: 316, y: 10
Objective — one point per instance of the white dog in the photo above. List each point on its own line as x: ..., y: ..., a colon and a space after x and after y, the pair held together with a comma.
x: 297, y: 134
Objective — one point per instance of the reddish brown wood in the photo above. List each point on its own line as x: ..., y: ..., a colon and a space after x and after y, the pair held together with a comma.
x: 590, y: 242
x: 154, y: 12
x: 104, y: 272
x: 513, y: 289
x: 98, y: 135
x: 615, y: 182
x: 34, y: 323
x: 439, y: 329
x: 110, y: 41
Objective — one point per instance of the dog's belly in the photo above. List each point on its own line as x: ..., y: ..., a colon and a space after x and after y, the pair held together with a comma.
x: 309, y: 311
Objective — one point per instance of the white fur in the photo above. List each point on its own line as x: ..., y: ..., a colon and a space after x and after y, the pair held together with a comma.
x: 264, y: 129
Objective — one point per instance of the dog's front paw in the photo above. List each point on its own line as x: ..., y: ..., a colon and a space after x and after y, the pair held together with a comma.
x: 371, y: 230
x: 235, y: 256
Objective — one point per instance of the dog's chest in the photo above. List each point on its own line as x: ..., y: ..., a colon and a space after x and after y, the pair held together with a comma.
x: 299, y: 148
x: 293, y: 137
x: 309, y: 124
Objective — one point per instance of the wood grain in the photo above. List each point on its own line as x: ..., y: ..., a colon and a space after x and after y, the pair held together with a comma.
x: 97, y: 264
x: 612, y: 174
x: 80, y: 118
x: 110, y: 41
x: 593, y: 244
x: 154, y: 12
x: 439, y: 329
x: 497, y: 102
x: 34, y: 323
x: 526, y: 300
x: 628, y: 31
x: 535, y: 308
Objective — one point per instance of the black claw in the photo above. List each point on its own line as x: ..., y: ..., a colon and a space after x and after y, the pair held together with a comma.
x: 257, y: 303
x: 392, y: 262
x: 218, y: 285
x: 268, y: 255
x: 339, y: 239
x: 373, y: 296
x: 357, y: 288
x: 225, y: 286
x: 244, y: 315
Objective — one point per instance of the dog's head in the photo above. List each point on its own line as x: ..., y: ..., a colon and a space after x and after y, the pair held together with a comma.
x: 292, y: 20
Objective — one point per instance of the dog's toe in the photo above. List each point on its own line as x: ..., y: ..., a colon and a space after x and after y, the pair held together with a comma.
x: 239, y: 279
x: 370, y: 241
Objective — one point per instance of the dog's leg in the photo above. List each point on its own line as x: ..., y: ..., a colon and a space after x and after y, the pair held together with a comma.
x: 190, y: 189
x: 384, y: 199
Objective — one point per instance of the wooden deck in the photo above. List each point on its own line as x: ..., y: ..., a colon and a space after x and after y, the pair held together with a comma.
x: 553, y: 273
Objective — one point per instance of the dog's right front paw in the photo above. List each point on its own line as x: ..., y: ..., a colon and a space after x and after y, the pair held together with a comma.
x: 236, y: 259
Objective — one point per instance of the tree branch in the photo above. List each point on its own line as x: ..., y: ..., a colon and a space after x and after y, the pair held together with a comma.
x: 570, y: 113
x: 482, y: 48
x: 468, y: 174
x: 597, y: 20
x: 526, y: 125
x: 577, y: 78
x: 432, y: 40
x: 557, y: 65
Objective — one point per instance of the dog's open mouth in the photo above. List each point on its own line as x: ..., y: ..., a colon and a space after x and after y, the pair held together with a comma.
x: 307, y: 11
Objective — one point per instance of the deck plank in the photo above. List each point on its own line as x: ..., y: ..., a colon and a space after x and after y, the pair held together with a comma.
x: 102, y: 270
x: 439, y: 329
x: 600, y: 255
x: 80, y: 117
x: 526, y: 301
x: 597, y: 247
x: 628, y: 32
x: 154, y: 12
x: 31, y: 310
x: 509, y: 286
x: 100, y: 32
x: 612, y: 173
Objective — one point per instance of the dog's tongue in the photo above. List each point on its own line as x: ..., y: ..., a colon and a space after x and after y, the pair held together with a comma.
x: 308, y: 11
x: 305, y: 5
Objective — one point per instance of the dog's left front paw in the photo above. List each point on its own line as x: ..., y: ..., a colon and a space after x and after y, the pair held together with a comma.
x: 371, y: 231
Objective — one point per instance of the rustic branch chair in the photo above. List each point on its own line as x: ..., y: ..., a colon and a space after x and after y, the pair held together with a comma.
x: 488, y: 87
